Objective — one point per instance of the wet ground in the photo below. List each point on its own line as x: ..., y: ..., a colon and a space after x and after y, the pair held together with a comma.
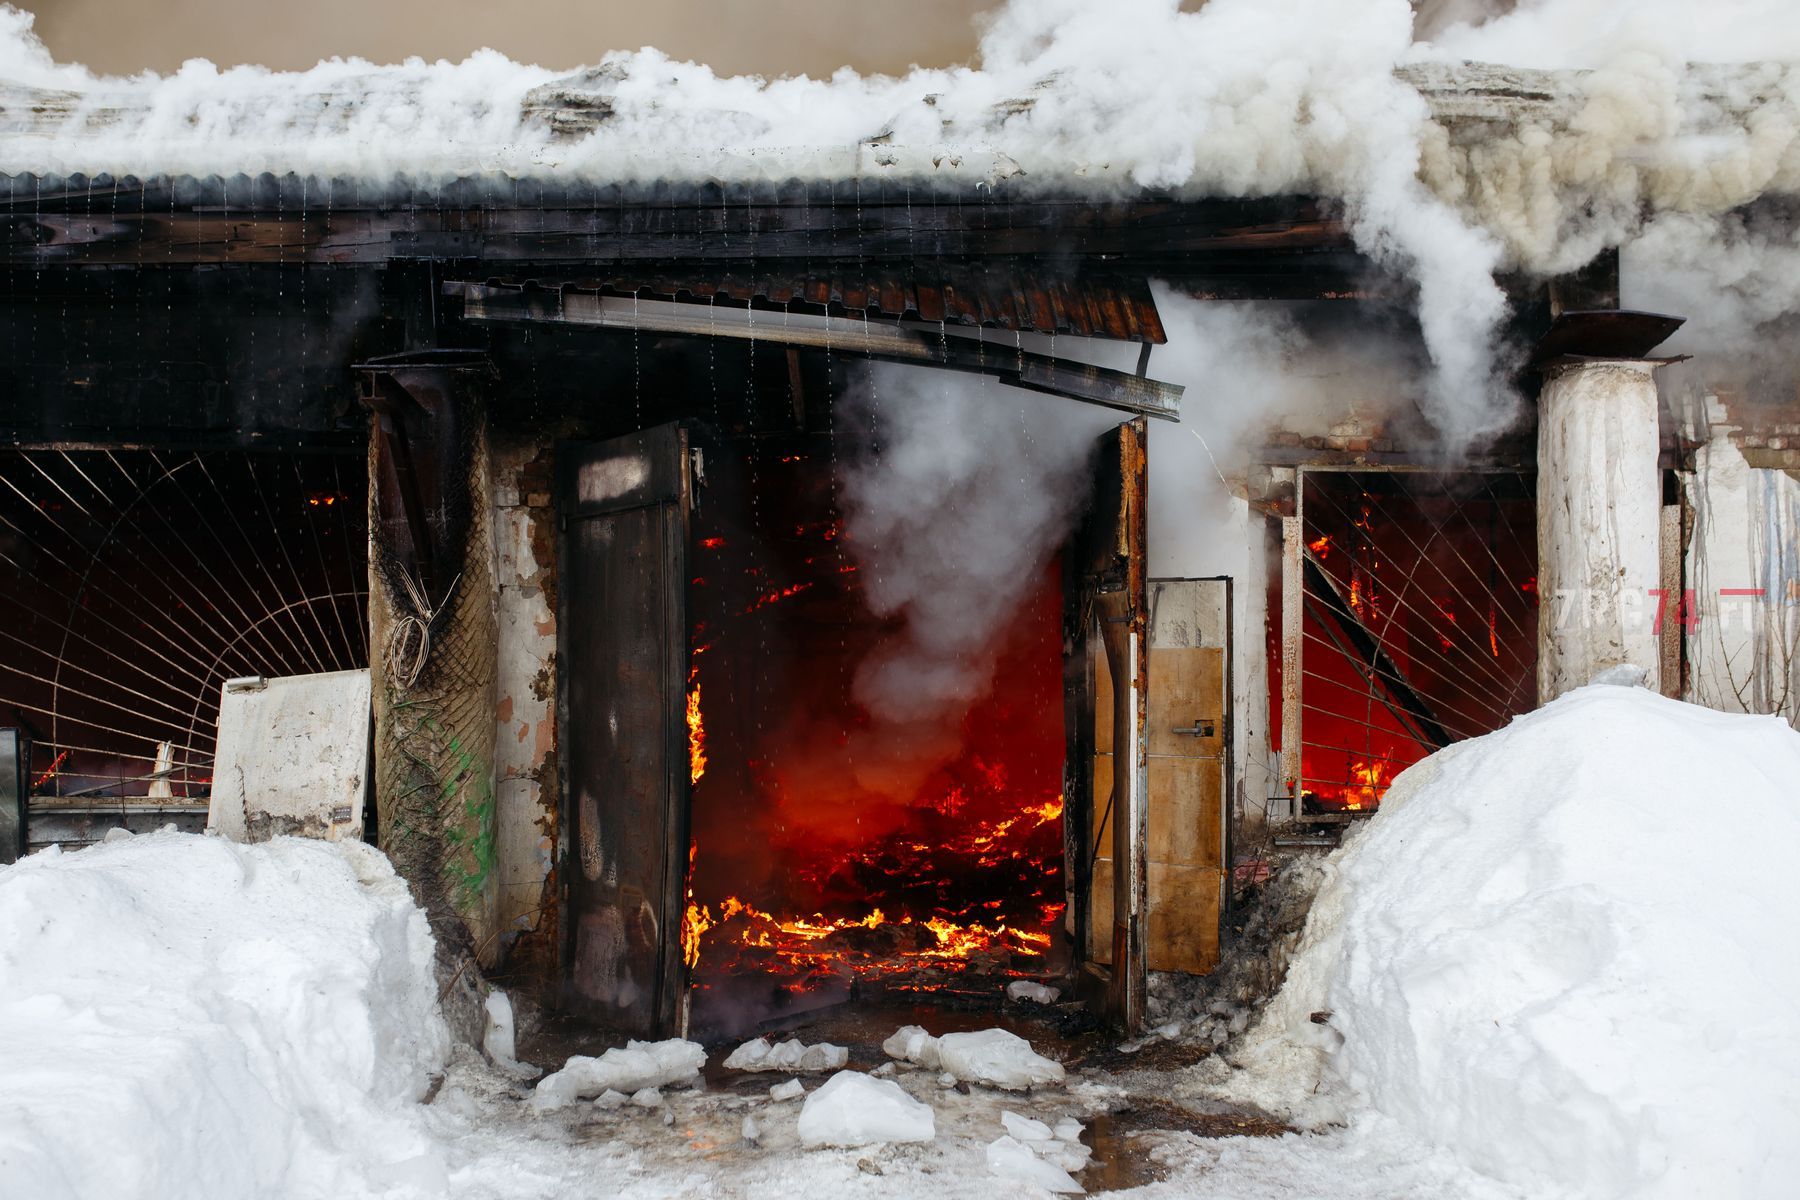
x: 1120, y: 1134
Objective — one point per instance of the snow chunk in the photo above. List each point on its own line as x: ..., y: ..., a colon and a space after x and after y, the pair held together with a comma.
x: 1549, y: 953
x: 1010, y: 1158
x: 639, y: 1065
x: 221, y: 1020
x: 996, y: 1058
x: 497, y: 1039
x: 647, y: 1098
x: 1037, y: 993
x: 853, y: 1109
x: 611, y: 1098
x: 910, y: 1043
x: 789, y: 1056
x: 793, y: 1089
x: 990, y: 1056
x: 1024, y: 1128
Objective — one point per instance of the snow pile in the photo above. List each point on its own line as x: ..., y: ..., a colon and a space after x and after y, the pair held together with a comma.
x: 789, y: 1056
x: 1556, y: 952
x: 638, y: 1066
x: 853, y: 1109
x: 183, y: 1016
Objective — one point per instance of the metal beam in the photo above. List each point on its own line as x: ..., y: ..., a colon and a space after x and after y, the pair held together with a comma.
x: 879, y: 340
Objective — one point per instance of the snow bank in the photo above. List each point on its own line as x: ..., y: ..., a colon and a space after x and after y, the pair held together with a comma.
x: 789, y: 1056
x: 638, y: 1066
x: 853, y: 1109
x: 182, y: 1016
x: 1559, y: 952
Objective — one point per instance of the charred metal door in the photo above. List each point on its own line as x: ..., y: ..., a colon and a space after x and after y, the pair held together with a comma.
x: 1189, y: 750
x: 623, y: 658
x: 1106, y: 668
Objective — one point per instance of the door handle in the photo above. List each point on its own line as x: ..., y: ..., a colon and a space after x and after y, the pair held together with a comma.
x: 1200, y: 728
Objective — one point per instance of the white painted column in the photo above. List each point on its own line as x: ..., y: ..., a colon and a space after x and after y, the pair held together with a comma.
x: 1599, y: 493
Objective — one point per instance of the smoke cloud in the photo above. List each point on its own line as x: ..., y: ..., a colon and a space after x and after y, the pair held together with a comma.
x: 957, y: 492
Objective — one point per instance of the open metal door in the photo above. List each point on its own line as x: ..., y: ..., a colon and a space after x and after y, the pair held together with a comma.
x: 1106, y: 668
x: 622, y: 674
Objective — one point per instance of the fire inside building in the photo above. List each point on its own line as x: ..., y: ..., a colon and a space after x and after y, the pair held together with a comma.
x: 555, y: 474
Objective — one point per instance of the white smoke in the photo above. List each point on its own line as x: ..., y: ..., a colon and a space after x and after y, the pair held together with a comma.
x: 1237, y: 98
x: 957, y: 493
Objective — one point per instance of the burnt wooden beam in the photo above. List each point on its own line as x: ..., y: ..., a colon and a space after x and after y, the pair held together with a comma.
x: 1374, y: 659
x: 1233, y: 233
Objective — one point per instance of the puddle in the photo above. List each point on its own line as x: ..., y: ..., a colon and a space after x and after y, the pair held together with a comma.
x: 1119, y: 1158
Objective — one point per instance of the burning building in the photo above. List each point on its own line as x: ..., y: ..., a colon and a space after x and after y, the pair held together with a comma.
x: 721, y: 667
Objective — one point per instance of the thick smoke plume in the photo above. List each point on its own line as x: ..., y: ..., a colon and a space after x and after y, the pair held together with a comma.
x: 956, y: 494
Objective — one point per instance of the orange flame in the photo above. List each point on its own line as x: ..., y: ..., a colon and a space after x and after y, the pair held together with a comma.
x: 1369, y: 781
x: 696, y: 728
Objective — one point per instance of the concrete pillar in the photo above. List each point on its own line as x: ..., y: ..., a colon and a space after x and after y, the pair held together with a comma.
x: 1599, y: 495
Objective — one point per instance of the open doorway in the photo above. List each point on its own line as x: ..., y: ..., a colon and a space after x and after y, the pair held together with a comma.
x: 740, y: 846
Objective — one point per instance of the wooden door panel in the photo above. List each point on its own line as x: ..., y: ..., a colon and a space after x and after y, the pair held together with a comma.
x: 1189, y: 751
x: 1184, y: 917
x: 622, y: 666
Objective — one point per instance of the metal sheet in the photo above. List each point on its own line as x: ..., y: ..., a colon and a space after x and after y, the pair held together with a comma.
x: 292, y: 758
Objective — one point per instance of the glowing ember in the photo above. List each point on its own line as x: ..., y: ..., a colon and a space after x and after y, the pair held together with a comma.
x: 775, y: 597
x: 55, y: 766
x: 867, y: 947
x: 1320, y: 545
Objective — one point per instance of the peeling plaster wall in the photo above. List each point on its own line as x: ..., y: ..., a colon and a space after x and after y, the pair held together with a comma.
x: 525, y: 714
x: 1743, y: 569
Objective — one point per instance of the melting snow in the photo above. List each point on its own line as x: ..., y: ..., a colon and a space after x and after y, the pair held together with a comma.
x: 789, y: 1056
x: 853, y: 1109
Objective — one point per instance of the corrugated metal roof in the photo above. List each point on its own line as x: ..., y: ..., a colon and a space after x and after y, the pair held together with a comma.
x: 1020, y: 298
